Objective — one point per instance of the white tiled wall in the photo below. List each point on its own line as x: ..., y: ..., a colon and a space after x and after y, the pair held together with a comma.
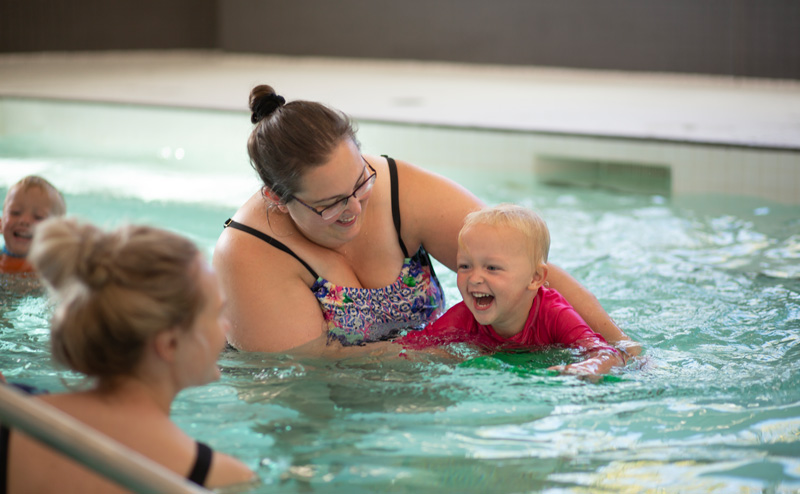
x: 695, y: 168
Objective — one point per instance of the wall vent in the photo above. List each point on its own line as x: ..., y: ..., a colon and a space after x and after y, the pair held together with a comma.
x: 619, y: 176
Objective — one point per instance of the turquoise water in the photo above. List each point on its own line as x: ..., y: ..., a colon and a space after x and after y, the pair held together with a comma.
x: 710, y: 286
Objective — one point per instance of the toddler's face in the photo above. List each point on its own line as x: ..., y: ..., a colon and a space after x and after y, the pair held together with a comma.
x: 496, y: 277
x: 22, y: 210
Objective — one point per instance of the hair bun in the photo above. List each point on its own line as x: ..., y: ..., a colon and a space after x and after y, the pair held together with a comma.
x: 95, y: 259
x: 95, y: 275
x: 264, y: 101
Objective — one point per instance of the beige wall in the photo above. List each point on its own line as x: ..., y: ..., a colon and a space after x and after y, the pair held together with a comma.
x: 752, y: 38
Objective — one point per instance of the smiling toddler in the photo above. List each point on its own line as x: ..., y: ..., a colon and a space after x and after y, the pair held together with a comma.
x: 502, y: 273
x: 28, y: 202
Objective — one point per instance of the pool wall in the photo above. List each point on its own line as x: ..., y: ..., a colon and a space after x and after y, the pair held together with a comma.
x: 214, y: 142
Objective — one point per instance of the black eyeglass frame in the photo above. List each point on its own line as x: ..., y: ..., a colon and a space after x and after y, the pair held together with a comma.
x: 343, y: 201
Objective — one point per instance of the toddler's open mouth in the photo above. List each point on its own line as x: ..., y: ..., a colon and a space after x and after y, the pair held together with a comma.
x: 482, y: 300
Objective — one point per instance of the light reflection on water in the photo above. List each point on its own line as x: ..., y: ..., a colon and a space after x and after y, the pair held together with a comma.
x: 711, y: 288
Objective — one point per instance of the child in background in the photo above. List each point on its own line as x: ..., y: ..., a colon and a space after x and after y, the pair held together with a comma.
x: 502, y: 269
x: 28, y: 202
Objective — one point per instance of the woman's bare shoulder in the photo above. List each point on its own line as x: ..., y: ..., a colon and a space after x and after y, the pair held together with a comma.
x: 433, y: 208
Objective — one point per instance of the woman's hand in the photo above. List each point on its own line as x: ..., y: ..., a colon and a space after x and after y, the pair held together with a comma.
x: 599, y: 362
x: 589, y: 308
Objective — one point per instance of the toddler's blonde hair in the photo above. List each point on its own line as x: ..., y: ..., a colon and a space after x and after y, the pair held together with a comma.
x: 530, y: 224
x: 58, y: 206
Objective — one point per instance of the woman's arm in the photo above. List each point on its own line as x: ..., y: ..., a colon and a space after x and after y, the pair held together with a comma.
x: 432, y: 209
x: 561, y: 324
x: 228, y: 471
x: 269, y: 304
x: 589, y: 309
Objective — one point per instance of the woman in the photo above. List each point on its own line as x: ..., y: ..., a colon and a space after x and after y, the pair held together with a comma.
x: 139, y: 312
x: 315, y: 255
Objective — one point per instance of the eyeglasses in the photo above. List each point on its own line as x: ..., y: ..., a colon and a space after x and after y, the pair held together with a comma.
x: 329, y: 212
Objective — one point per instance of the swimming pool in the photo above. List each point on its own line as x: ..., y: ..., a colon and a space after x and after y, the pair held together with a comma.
x: 709, y: 285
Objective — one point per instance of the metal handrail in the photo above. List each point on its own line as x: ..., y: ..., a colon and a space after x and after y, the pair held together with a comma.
x: 80, y: 442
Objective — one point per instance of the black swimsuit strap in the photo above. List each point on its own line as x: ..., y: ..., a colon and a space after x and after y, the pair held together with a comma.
x: 198, y: 475
x: 395, y: 201
x: 202, y: 464
x: 266, y: 238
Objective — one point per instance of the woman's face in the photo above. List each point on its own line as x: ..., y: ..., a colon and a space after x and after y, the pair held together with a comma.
x: 201, y: 345
x: 346, y: 175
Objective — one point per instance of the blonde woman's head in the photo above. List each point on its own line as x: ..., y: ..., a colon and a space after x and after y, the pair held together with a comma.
x: 114, y: 291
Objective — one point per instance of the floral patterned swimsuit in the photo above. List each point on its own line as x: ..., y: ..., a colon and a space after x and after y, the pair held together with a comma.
x: 356, y: 316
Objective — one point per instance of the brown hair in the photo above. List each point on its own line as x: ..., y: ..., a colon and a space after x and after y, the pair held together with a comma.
x: 114, y: 291
x: 289, y: 138
x: 525, y: 221
x: 58, y: 206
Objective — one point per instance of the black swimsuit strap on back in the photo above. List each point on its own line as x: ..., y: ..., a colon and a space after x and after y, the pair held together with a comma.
x: 198, y: 475
x: 395, y: 201
x: 266, y: 238
x: 202, y: 464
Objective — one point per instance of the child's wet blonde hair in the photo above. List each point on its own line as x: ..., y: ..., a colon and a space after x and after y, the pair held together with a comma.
x: 527, y: 222
x: 58, y: 206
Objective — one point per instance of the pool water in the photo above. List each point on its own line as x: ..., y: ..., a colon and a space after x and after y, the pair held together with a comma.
x: 710, y: 286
